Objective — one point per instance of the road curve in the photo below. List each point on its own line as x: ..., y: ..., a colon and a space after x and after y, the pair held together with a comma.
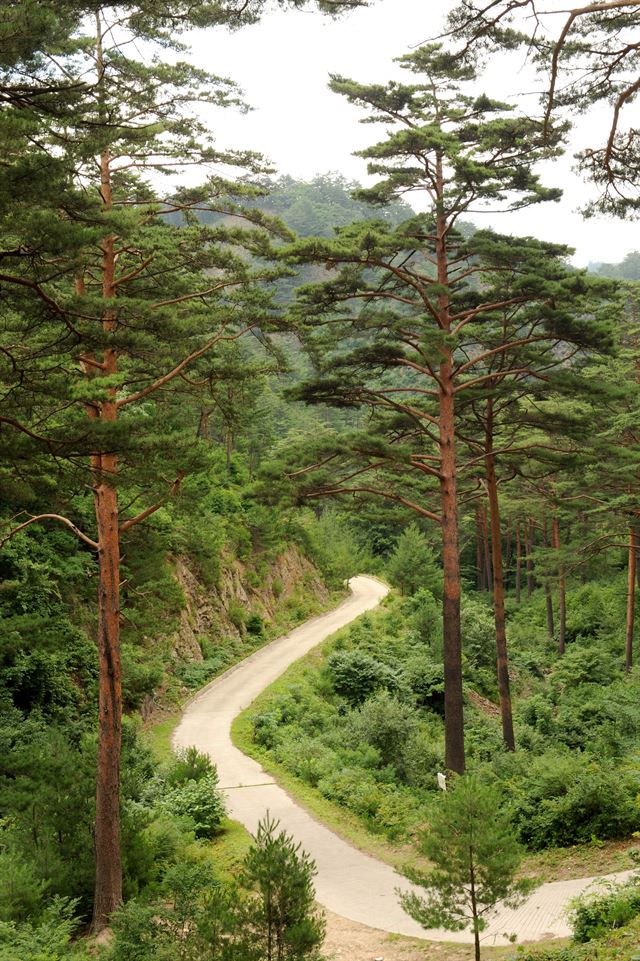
x: 349, y: 883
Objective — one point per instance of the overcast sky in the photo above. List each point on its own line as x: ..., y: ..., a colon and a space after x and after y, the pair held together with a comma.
x: 283, y: 64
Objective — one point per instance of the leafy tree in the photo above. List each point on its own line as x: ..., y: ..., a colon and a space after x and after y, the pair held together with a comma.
x: 475, y: 855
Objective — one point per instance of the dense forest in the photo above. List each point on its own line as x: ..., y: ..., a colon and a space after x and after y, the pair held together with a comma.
x: 222, y: 398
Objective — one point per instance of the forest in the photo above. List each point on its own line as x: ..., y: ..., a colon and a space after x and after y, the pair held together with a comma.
x: 227, y: 391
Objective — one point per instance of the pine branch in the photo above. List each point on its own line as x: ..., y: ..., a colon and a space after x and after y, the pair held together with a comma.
x: 56, y: 517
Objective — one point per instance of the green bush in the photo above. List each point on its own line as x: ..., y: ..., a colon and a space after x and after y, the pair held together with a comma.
x: 189, y: 764
x: 570, y: 799
x: 595, y: 914
x: 201, y: 801
x: 21, y: 889
x: 255, y: 625
x: 386, y: 724
x: 48, y: 939
x: 585, y: 665
x: 355, y: 675
x: 141, y: 675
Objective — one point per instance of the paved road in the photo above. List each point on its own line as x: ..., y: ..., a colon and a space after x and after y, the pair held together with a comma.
x: 349, y: 883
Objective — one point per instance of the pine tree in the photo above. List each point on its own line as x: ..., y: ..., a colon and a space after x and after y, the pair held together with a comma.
x: 418, y: 289
x: 113, y: 306
x: 591, y: 58
x: 475, y: 858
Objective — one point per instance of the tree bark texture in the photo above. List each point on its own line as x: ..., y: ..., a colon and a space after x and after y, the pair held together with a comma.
x: 548, y: 597
x: 108, y: 877
x: 562, y: 594
x: 529, y: 542
x: 452, y: 641
x: 502, y: 657
x: 486, y: 547
x: 631, y: 600
x: 479, y: 559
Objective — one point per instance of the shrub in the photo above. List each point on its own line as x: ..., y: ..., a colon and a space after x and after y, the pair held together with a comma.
x: 595, y: 914
x: 386, y: 724
x: 255, y: 625
x: 21, y: 890
x: 47, y: 940
x: 140, y: 675
x: 190, y: 764
x: 426, y: 681
x: 355, y: 675
x: 585, y: 665
x: 568, y: 799
x: 201, y: 801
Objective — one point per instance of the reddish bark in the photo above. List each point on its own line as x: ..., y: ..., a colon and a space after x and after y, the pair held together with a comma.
x: 631, y: 599
x: 452, y: 641
x: 108, y: 878
x: 562, y: 595
x: 502, y: 657
x: 518, y: 563
x: 486, y: 548
x: 547, y: 594
x: 529, y: 541
x: 479, y: 558
x: 452, y: 644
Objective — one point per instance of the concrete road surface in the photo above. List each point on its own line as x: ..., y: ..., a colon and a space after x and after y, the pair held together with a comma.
x: 349, y: 883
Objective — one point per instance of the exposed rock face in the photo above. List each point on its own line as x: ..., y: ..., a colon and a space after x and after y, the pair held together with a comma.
x: 219, y: 610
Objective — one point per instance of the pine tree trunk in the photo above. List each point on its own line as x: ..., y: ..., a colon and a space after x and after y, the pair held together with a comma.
x: 474, y: 906
x: 547, y: 594
x: 479, y: 563
x: 452, y: 642
x: 487, y: 551
x: 529, y: 557
x: 108, y: 878
x: 453, y: 699
x: 631, y: 600
x: 229, y: 431
x: 562, y: 596
x: 502, y: 657
x: 518, y: 564
x: 508, y: 552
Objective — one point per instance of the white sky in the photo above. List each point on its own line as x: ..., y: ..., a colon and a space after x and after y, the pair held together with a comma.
x: 283, y: 64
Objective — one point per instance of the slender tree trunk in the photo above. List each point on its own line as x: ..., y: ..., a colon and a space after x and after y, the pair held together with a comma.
x: 229, y: 431
x: 108, y: 878
x: 486, y: 550
x: 508, y: 553
x: 452, y: 642
x: 547, y: 594
x: 518, y: 564
x: 453, y: 699
x: 529, y: 557
x: 502, y: 657
x: 474, y: 906
x: 562, y: 595
x: 479, y: 561
x: 631, y: 600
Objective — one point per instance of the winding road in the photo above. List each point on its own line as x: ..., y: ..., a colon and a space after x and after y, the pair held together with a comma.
x: 349, y: 883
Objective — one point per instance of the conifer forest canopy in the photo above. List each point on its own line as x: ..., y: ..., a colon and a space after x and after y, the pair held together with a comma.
x: 226, y: 389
